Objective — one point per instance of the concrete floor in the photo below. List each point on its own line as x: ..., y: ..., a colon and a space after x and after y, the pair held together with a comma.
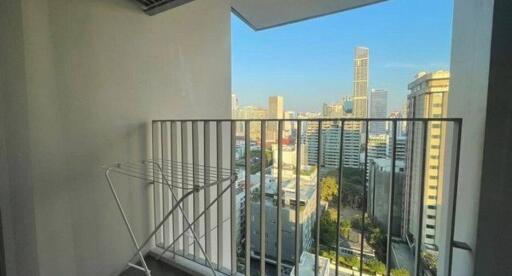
x: 157, y: 268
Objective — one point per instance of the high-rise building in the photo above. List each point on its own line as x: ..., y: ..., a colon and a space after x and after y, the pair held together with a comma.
x: 427, y: 99
x: 250, y: 112
x: 275, y: 111
x: 361, y: 74
x: 275, y: 107
x: 330, y: 144
x: 378, y: 109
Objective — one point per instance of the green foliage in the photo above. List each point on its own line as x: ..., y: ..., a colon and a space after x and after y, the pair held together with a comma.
x: 400, y: 272
x: 327, y: 229
x: 377, y: 266
x: 345, y: 228
x: 329, y: 189
x: 353, y: 261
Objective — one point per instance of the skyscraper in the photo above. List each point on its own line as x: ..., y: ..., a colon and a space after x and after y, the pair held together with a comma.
x: 378, y: 109
x: 361, y: 74
x: 428, y: 98
x: 275, y: 111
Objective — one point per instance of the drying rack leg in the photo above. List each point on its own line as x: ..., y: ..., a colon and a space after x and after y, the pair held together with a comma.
x: 125, y: 219
x: 196, y: 219
x: 185, y: 218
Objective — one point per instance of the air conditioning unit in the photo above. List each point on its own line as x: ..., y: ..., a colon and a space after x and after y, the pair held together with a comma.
x: 152, y: 7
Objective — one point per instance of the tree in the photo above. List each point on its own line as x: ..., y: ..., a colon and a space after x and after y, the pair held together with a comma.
x: 327, y: 229
x: 353, y: 261
x: 329, y: 189
x: 345, y: 228
x: 400, y: 272
x: 377, y: 266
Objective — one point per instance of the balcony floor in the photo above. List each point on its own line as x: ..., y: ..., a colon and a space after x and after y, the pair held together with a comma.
x: 157, y: 268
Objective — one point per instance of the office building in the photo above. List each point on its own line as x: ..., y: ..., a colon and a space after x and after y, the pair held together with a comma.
x: 378, y: 109
x: 427, y: 99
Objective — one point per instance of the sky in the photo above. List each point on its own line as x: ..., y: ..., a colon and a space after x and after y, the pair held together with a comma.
x: 311, y: 62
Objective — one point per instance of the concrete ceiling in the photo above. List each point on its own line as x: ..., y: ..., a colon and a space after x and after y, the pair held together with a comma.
x: 263, y: 14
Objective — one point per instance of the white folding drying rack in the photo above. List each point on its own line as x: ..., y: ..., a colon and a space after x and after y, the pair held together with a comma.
x: 172, y: 175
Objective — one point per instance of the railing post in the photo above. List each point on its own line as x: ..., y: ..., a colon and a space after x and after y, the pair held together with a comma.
x: 262, y: 197
x: 247, y: 198
x: 419, y: 234
x: 391, y: 201
x: 340, y: 179
x: 454, y: 177
x: 297, y: 198
x: 279, y: 199
x: 233, y: 200
x: 318, y: 192
x: 195, y: 180
x: 207, y: 164
x: 364, y: 196
x: 220, y: 202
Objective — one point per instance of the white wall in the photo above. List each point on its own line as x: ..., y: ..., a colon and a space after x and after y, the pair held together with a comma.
x: 91, y: 75
x: 471, y: 42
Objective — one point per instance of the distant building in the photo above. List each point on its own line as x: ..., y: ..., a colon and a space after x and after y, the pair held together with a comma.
x: 348, y: 105
x: 330, y: 144
x: 378, y: 109
x: 234, y: 106
x: 306, y: 224
x: 378, y: 193
x: 377, y: 146
x: 275, y: 111
x: 361, y: 73
x: 250, y: 112
x: 427, y: 99
x: 332, y: 110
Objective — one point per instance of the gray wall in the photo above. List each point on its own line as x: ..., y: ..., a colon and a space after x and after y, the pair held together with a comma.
x: 81, y: 81
x: 494, y: 227
x: 471, y: 42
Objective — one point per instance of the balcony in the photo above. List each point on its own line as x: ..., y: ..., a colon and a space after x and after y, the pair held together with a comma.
x: 214, y: 182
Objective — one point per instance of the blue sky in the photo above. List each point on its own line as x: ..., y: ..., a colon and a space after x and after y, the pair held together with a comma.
x: 310, y: 62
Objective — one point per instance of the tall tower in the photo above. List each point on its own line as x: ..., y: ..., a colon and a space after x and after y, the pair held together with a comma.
x: 361, y: 73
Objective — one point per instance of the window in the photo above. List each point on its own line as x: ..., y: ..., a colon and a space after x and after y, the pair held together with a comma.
x: 436, y: 125
x: 433, y: 187
x: 431, y: 226
x: 434, y: 156
x: 433, y: 167
x: 430, y: 236
x: 431, y: 217
x: 435, y: 146
x: 431, y: 207
x: 434, y: 177
x: 433, y: 197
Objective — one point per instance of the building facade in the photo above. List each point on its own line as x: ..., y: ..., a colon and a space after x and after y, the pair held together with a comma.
x: 427, y: 99
x: 378, y: 109
x: 361, y: 75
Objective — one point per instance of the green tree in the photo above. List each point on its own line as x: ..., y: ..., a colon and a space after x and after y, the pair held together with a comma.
x: 327, y: 229
x: 400, y: 272
x: 345, y: 228
x: 329, y: 188
x: 353, y: 261
x: 377, y: 266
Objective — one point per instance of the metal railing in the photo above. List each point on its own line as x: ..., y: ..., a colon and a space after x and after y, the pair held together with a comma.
x: 244, y: 148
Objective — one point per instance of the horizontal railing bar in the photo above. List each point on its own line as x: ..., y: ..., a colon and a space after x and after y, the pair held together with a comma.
x: 317, y: 120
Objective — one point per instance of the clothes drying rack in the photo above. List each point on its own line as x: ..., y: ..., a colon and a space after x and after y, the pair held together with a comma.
x: 174, y: 176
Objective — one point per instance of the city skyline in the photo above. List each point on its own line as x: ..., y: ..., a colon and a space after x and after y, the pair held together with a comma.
x: 316, y: 57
